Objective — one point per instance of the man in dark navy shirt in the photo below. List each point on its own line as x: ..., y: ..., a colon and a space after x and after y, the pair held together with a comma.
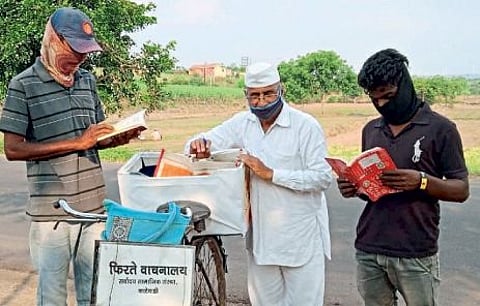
x: 397, y: 236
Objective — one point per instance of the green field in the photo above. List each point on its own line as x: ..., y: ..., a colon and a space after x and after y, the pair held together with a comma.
x: 205, y: 93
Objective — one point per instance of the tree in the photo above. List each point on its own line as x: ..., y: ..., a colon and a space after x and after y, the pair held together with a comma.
x: 440, y: 89
x: 311, y: 76
x: 123, y: 78
x: 474, y: 86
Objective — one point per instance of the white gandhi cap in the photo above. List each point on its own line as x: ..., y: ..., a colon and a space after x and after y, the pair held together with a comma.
x: 261, y: 75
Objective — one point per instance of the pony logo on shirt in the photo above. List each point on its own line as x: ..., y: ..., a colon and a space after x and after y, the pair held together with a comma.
x: 416, y: 150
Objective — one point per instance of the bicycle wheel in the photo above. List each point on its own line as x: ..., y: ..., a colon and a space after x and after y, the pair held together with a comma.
x: 209, y: 280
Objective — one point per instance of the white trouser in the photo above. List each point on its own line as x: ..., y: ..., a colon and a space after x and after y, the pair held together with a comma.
x: 270, y: 285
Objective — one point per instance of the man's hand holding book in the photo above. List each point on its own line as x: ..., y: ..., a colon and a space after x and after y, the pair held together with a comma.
x: 363, y: 176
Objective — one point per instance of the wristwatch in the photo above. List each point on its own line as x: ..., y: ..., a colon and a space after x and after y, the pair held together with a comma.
x: 423, y: 180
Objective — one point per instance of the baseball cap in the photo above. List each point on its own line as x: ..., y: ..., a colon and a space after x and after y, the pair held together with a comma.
x: 261, y: 75
x: 77, y: 29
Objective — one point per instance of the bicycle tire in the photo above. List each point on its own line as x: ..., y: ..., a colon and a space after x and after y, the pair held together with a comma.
x: 209, y: 280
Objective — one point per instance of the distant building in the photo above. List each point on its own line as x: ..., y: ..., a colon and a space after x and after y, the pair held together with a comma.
x: 210, y: 72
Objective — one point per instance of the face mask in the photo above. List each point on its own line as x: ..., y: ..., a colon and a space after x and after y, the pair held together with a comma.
x: 268, y: 111
x: 59, y: 60
x: 401, y: 108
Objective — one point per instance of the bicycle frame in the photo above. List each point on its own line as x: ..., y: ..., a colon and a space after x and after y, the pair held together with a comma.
x: 210, y: 256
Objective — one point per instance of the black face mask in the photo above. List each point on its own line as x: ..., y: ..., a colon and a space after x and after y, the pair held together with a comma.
x: 268, y: 111
x: 401, y: 108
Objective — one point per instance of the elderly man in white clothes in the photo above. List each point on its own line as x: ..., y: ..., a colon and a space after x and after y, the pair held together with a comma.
x: 284, y: 148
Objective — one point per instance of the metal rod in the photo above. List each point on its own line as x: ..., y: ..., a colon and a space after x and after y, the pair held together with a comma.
x: 90, y: 216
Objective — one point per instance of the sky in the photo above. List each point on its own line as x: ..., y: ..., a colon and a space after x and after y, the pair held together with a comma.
x: 439, y: 37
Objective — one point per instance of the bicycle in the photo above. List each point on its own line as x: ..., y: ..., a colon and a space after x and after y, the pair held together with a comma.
x: 209, y: 285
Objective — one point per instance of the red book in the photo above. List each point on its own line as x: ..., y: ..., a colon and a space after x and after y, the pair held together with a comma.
x: 364, y: 171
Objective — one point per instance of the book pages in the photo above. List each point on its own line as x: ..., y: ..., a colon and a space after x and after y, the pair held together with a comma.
x: 176, y: 164
x: 131, y: 122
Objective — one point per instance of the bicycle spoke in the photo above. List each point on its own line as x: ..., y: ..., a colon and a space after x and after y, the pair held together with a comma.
x: 207, y: 280
x: 209, y: 288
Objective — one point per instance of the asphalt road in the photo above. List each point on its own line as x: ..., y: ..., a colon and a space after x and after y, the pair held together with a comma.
x: 459, y: 243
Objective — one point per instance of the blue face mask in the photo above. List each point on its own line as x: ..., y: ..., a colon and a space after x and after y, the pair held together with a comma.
x: 268, y: 111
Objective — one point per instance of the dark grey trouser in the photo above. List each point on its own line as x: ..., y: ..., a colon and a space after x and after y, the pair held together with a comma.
x: 380, y: 277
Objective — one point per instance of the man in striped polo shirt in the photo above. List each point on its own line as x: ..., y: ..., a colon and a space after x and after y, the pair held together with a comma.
x: 51, y: 119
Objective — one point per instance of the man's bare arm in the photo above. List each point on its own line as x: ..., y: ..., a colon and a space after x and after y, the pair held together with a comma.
x: 454, y: 190
x: 17, y: 148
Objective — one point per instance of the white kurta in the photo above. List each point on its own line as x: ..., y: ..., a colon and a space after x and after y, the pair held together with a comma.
x: 289, y: 212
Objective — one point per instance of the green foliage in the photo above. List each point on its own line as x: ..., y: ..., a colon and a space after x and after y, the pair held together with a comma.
x: 118, y: 154
x: 312, y: 76
x: 440, y: 89
x: 206, y: 93
x: 240, y: 82
x: 153, y: 60
x: 177, y: 78
x: 472, y: 159
x: 474, y: 86
x: 23, y: 24
x: 237, y: 70
x: 337, y: 99
x: 196, y: 80
x: 21, y: 31
x: 346, y: 153
x: 184, y: 78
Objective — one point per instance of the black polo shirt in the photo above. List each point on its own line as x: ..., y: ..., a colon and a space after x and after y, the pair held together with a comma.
x: 406, y: 224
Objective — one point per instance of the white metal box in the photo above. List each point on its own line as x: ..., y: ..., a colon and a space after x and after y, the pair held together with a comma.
x: 222, y: 190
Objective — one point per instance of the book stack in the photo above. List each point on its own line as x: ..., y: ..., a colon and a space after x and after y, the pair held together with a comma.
x: 175, y: 164
x: 168, y: 166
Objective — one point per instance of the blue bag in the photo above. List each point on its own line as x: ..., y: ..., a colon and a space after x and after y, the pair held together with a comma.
x: 126, y: 224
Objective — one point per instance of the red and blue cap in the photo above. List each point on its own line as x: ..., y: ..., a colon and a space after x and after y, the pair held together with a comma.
x: 76, y: 28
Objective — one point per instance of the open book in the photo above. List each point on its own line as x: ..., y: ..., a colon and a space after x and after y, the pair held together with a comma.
x: 364, y: 171
x: 175, y: 164
x: 135, y: 121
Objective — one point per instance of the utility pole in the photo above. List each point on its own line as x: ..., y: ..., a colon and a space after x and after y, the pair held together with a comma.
x: 244, y: 61
x: 204, y: 73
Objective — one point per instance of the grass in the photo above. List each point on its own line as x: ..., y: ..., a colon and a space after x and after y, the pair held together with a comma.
x: 472, y: 158
x: 119, y: 154
x: 347, y: 153
x: 211, y: 93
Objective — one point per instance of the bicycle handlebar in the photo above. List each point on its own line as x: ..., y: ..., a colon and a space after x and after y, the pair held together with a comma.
x: 79, y: 216
x: 197, y: 211
x: 82, y: 216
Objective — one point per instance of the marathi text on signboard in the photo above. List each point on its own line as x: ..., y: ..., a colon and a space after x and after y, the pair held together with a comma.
x: 142, y: 274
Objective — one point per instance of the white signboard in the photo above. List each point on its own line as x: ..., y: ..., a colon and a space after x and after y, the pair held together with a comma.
x: 143, y: 274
